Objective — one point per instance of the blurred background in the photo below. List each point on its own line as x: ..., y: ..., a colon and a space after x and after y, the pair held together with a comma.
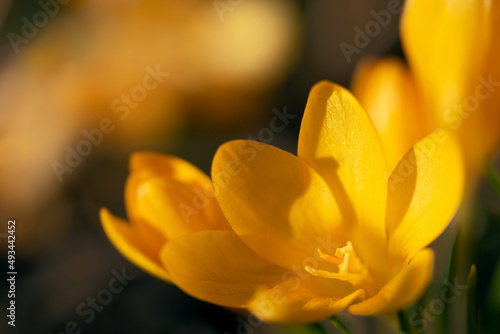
x: 178, y: 77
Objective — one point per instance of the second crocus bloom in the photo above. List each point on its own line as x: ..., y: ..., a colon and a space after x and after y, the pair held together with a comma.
x: 453, y: 80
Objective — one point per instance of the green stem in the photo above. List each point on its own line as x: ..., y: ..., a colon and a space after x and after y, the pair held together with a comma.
x: 470, y: 292
x: 316, y: 328
x: 338, y: 324
x: 403, y: 322
x: 492, y: 176
x: 324, y: 327
x: 452, y: 270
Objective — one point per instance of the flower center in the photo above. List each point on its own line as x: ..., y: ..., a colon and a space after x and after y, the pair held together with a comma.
x: 350, y: 268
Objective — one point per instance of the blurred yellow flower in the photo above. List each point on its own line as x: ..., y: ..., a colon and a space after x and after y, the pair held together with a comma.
x: 453, y: 51
x: 296, y: 238
x: 386, y: 89
x: 94, y: 62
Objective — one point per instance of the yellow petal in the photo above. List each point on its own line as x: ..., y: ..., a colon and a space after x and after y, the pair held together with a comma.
x: 339, y: 140
x: 403, y: 289
x: 453, y: 48
x: 424, y: 192
x: 171, y: 195
x: 294, y: 303
x: 445, y: 42
x: 388, y: 93
x: 491, y: 71
x: 279, y: 206
x: 167, y: 166
x: 215, y: 266
x: 143, y: 253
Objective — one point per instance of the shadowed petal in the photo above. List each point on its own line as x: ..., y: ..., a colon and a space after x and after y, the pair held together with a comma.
x: 215, y: 266
x: 279, y: 206
x: 141, y: 251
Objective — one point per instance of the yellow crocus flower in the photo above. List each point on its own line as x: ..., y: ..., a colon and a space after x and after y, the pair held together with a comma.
x: 453, y: 81
x: 296, y: 238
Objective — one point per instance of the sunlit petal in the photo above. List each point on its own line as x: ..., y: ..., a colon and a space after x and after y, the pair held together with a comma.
x: 339, y: 140
x: 172, y: 195
x: 295, y: 303
x: 403, y: 289
x: 423, y: 193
